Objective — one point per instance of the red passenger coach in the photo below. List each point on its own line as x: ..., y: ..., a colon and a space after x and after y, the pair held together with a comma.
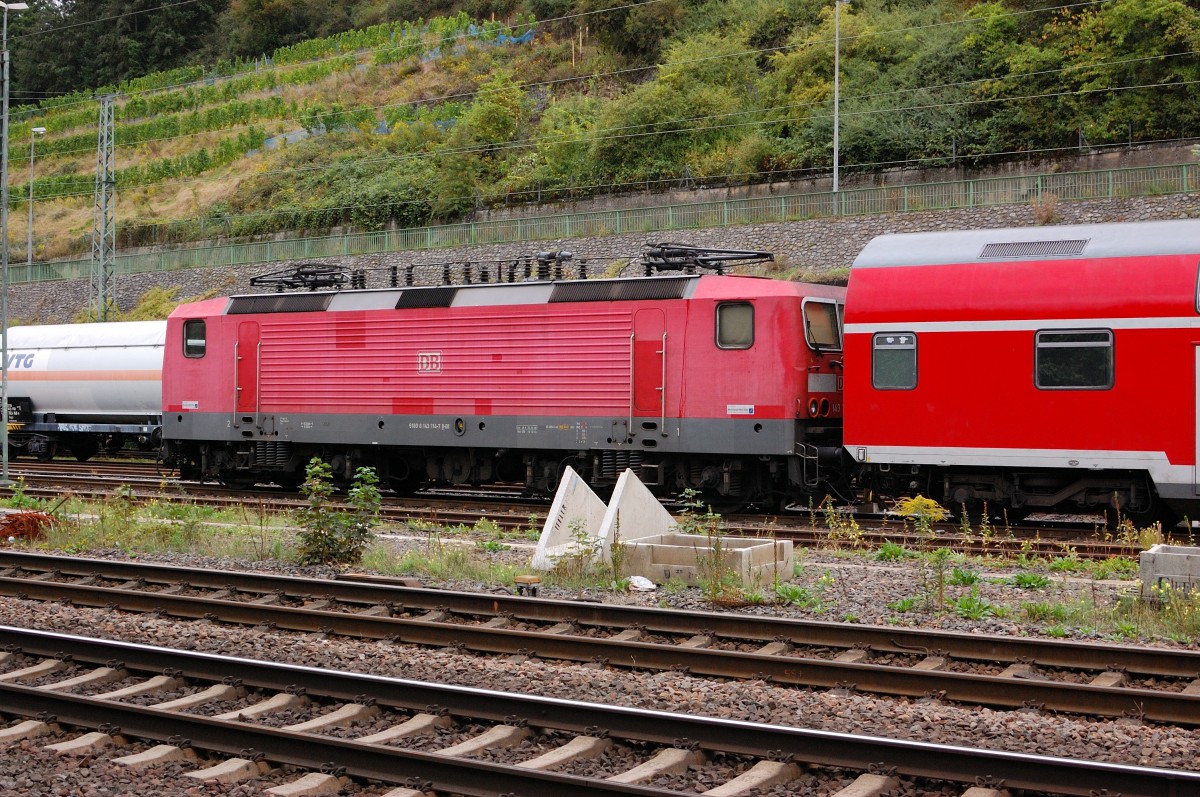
x: 1038, y: 369
x: 731, y: 385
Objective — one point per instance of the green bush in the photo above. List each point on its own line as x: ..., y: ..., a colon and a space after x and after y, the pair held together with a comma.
x: 332, y: 535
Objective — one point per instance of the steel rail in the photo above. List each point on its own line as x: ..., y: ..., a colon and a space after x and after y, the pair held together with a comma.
x: 824, y: 748
x: 902, y: 681
x: 887, y: 639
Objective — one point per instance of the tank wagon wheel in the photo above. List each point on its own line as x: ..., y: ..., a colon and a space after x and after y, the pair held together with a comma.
x: 48, y: 453
x: 83, y: 450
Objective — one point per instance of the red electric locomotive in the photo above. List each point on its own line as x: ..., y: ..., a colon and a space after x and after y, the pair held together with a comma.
x: 1049, y: 368
x: 730, y: 385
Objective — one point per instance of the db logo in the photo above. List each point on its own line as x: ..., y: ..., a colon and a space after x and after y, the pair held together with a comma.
x: 429, y: 362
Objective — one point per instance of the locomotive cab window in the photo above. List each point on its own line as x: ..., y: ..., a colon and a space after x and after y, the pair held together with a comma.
x: 1074, y: 359
x: 735, y: 325
x: 894, y: 361
x: 195, y: 339
x: 822, y: 327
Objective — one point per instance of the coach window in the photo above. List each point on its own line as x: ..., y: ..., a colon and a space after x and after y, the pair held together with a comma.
x: 194, y: 339
x: 735, y: 325
x: 821, y: 326
x: 894, y: 361
x: 1074, y: 359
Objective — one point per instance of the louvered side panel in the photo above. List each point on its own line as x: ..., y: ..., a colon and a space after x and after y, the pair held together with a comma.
x: 468, y: 362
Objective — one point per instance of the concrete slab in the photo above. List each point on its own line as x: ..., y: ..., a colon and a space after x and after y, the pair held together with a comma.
x: 157, y: 684
x: 668, y: 761
x: 762, y: 775
x: 869, y: 786
x: 1110, y: 678
x: 82, y: 745
x: 155, y: 756
x: 29, y: 729
x: 579, y: 748
x: 340, y: 718
x: 270, y: 705
x: 314, y: 784
x: 214, y: 694
x: 101, y: 675
x: 575, y: 514
x: 419, y: 725
x: 633, y: 514
x: 675, y: 555
x: 983, y: 791
x: 233, y: 770
x: 1169, y: 566
x: 33, y: 672
x: 499, y: 736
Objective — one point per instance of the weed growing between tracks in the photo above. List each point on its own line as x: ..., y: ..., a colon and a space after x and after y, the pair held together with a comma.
x: 1055, y: 595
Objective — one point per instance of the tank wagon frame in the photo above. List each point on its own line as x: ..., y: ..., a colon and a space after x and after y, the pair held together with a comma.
x: 85, y: 388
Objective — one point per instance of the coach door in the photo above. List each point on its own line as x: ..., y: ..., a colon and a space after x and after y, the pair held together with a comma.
x: 245, y: 373
x: 649, y: 364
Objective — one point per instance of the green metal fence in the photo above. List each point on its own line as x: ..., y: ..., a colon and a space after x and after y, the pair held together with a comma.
x: 982, y: 192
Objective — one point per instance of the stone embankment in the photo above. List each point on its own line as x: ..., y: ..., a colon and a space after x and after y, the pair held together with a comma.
x: 810, y: 249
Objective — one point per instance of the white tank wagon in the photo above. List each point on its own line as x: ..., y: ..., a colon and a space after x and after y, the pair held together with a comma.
x: 85, y: 387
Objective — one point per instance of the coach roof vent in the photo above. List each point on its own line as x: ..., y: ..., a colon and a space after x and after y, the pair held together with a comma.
x: 279, y: 303
x: 1011, y: 249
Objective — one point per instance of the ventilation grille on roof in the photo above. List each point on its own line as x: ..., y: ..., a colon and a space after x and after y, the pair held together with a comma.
x: 1035, y: 248
x: 440, y: 296
x: 277, y: 303
x: 623, y: 290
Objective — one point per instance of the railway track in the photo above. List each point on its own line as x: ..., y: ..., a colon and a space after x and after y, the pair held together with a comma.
x: 510, y: 513
x: 1159, y: 685
x: 475, y: 742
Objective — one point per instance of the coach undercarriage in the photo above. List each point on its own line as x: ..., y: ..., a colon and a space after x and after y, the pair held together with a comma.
x: 1013, y: 495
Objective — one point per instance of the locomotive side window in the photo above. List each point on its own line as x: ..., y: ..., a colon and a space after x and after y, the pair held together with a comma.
x: 821, y: 325
x: 735, y: 325
x: 1075, y: 359
x: 195, y: 340
x: 894, y: 361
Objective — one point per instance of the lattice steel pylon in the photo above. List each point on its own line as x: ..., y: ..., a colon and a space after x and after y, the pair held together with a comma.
x: 104, y: 226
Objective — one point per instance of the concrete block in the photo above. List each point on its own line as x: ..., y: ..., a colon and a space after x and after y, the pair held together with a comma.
x: 24, y: 730
x: 83, y: 745
x: 575, y: 506
x: 1175, y: 566
x: 155, y: 756
x: 762, y: 775
x: 633, y: 514
x: 269, y: 706
x: 869, y: 786
x: 314, y: 784
x: 500, y: 736
x: 668, y: 761
x: 155, y: 685
x: 213, y: 694
x: 418, y: 725
x: 33, y: 672
x: 753, y: 560
x: 579, y: 748
x: 233, y: 770
x: 342, y: 717
x: 101, y: 675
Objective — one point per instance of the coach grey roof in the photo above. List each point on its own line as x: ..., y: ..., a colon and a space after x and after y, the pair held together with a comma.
x: 1063, y: 242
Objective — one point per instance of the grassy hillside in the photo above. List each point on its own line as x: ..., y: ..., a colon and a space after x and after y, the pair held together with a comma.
x: 407, y: 123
